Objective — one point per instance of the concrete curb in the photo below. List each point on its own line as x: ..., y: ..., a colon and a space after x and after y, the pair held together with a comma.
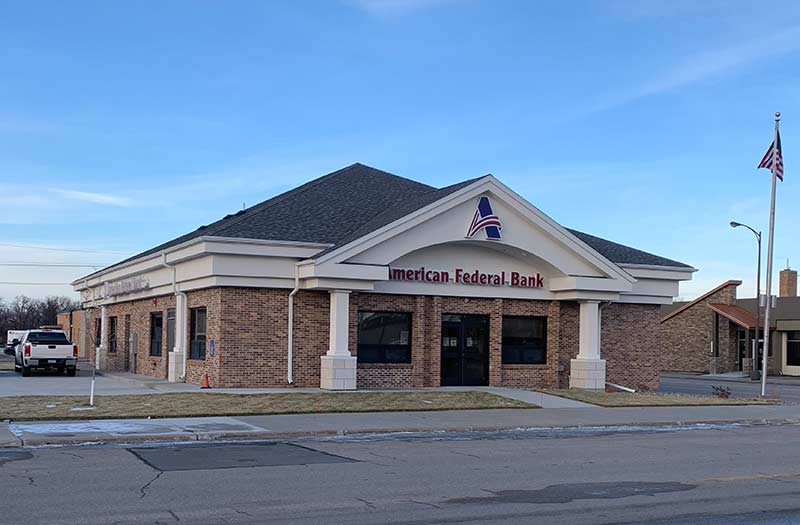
x: 272, y: 435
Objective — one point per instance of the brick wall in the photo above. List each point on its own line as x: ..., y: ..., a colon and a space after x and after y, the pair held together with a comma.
x: 250, y: 329
x: 685, y: 339
x: 631, y: 354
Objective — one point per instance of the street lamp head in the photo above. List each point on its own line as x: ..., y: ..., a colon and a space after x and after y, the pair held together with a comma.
x: 735, y: 224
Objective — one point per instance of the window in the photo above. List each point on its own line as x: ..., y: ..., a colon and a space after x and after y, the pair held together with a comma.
x: 197, y: 335
x: 384, y: 337
x: 156, y: 330
x: 524, y: 340
x: 793, y: 348
x: 47, y: 338
x: 170, y: 330
x: 112, y: 334
x: 98, y: 331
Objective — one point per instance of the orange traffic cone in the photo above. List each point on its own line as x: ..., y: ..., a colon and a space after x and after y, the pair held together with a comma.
x: 205, y: 382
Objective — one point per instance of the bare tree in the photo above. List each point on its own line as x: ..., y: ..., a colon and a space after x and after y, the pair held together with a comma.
x: 23, y: 313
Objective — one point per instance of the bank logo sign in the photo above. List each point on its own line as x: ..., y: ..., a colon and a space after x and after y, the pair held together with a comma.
x: 485, y: 219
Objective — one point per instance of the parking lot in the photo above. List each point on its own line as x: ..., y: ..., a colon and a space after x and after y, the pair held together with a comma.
x: 51, y: 383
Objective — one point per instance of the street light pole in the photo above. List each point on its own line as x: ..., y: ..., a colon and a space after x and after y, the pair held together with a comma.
x: 754, y: 375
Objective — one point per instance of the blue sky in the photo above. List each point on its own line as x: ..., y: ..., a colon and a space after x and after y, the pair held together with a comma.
x: 125, y: 124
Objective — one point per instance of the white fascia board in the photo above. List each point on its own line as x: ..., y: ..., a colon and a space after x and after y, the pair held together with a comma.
x: 197, y: 247
x: 561, y: 284
x: 667, y: 273
x: 643, y: 299
x: 326, y: 283
x: 345, y: 271
x: 582, y: 295
x: 487, y: 183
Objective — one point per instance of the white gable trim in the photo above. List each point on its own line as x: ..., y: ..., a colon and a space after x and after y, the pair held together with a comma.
x: 487, y: 183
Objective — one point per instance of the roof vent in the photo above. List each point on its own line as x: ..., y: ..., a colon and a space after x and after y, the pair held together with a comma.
x: 240, y: 212
x: 203, y: 227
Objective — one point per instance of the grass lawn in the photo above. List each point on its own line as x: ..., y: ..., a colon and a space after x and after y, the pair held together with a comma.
x: 210, y: 404
x: 648, y: 399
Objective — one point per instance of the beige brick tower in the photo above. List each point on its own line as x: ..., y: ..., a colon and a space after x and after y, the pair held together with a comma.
x: 788, y: 283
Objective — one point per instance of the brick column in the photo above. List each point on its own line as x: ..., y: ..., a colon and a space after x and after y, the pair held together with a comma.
x: 418, y: 338
x: 435, y: 342
x: 496, y: 344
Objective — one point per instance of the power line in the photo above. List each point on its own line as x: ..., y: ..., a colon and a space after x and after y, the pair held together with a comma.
x: 36, y: 284
x: 48, y: 248
x: 53, y: 265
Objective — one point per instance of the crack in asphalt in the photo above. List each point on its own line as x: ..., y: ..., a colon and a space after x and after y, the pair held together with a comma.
x: 143, y: 489
x: 365, y: 502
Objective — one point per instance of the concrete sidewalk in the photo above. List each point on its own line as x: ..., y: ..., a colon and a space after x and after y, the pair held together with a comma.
x: 297, y: 425
x: 734, y: 377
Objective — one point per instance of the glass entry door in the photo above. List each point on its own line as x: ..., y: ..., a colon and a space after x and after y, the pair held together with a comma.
x: 465, y: 350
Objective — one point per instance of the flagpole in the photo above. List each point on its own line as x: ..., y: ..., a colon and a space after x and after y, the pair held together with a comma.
x: 767, y: 335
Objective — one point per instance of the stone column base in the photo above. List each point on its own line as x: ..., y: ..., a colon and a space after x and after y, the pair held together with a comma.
x: 338, y: 372
x: 747, y: 364
x: 175, y: 366
x: 588, y: 374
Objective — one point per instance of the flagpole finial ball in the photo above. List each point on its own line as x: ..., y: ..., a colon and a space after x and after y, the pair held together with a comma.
x: 777, y: 114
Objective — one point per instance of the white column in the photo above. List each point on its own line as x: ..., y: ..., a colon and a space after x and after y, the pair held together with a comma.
x: 588, y: 371
x: 100, y: 351
x: 178, y: 353
x: 338, y: 368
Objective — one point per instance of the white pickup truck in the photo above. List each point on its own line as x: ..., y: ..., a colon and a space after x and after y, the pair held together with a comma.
x: 45, y: 348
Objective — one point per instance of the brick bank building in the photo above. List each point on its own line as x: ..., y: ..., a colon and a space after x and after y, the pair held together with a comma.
x: 361, y: 278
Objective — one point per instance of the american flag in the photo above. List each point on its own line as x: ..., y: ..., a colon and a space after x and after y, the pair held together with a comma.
x: 774, y: 155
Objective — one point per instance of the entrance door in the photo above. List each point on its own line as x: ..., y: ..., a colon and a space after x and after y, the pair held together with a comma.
x: 465, y: 350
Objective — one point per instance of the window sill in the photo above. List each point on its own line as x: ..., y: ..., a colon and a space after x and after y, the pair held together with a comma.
x: 525, y: 366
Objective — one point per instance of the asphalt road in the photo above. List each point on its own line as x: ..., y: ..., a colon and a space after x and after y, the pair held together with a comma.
x: 682, y: 477
x: 789, y: 393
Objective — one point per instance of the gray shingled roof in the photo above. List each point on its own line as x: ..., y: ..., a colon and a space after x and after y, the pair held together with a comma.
x: 349, y: 203
x: 621, y: 254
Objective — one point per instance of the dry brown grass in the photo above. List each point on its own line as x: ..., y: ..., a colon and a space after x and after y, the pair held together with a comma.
x: 210, y: 404
x: 7, y: 364
x: 648, y: 399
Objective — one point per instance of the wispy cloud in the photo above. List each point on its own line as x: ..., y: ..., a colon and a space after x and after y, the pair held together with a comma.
x: 396, y: 7
x: 710, y: 64
x: 95, y: 198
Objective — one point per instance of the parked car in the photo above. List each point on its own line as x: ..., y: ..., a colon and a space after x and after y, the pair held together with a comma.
x: 45, y: 347
x: 13, y: 335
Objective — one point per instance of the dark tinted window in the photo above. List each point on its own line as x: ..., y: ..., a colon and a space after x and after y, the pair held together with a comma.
x: 197, y: 335
x: 384, y: 337
x: 50, y: 338
x: 524, y: 340
x: 112, y: 334
x: 156, y: 331
x: 793, y: 348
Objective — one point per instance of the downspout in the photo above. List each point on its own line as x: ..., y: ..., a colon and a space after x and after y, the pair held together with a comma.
x: 290, y: 346
x: 179, y: 341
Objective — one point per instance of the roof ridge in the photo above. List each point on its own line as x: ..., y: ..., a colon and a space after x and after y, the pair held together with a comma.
x: 390, y: 209
x: 697, y: 300
x: 272, y: 201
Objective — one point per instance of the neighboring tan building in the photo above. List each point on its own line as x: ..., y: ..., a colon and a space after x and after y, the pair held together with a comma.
x: 715, y: 333
x: 72, y: 322
x: 363, y: 278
